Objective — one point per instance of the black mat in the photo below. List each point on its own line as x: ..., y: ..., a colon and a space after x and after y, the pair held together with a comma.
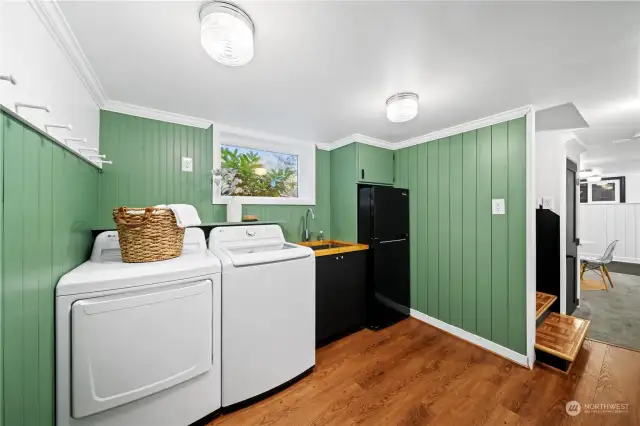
x: 624, y: 268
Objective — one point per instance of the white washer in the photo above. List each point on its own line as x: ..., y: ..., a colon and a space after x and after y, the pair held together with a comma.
x: 139, y: 343
x: 268, y: 309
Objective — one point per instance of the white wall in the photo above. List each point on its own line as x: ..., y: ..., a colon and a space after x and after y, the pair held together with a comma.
x: 44, y: 76
x: 551, y: 153
x: 603, y: 223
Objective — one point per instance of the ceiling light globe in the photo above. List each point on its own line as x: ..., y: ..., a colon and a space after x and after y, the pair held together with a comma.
x: 226, y: 33
x: 402, y: 107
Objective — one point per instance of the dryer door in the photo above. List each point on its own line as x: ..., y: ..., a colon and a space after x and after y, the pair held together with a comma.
x: 128, y: 346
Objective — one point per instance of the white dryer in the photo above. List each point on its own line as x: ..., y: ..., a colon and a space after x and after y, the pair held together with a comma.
x: 268, y: 309
x: 139, y: 344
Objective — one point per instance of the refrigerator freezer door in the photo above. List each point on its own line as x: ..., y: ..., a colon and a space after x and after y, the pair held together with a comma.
x: 389, y: 297
x: 390, y: 213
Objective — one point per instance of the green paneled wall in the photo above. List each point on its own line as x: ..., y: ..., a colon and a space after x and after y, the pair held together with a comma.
x: 146, y: 170
x: 146, y: 167
x: 344, y: 193
x: 467, y: 265
x: 50, y: 204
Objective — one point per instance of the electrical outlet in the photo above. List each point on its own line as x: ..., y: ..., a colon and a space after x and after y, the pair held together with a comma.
x: 187, y: 164
x: 497, y: 206
x: 547, y: 203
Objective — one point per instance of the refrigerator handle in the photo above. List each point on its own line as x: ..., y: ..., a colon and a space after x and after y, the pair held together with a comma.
x: 362, y: 174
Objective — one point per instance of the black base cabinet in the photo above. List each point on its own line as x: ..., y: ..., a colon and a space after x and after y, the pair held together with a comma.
x: 340, y: 295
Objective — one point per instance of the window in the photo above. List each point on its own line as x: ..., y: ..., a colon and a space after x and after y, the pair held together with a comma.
x: 259, y: 173
x: 262, y: 169
x: 607, y: 190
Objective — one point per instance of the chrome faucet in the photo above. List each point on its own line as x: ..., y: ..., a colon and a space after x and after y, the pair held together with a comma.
x: 307, y: 234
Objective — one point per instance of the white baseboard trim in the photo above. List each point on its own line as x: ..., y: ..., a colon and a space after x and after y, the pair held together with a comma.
x: 474, y: 339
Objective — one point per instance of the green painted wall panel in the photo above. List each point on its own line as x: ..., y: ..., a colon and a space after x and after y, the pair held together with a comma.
x: 483, y: 183
x: 444, y: 229
x: 469, y: 232
x: 344, y: 197
x: 455, y: 233
x: 413, y: 222
x: 516, y: 223
x: 468, y: 266
x: 50, y: 204
x: 146, y: 170
x: 421, y: 195
x: 499, y: 241
x: 433, y: 212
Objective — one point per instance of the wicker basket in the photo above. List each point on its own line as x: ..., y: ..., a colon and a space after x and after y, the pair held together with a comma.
x: 148, y: 235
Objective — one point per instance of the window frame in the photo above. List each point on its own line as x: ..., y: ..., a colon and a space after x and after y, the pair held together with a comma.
x: 306, y: 152
x: 620, y: 190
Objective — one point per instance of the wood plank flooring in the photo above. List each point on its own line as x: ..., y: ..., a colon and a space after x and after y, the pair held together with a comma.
x: 414, y: 374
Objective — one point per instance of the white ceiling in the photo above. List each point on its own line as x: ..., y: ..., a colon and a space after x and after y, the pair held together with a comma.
x: 323, y: 70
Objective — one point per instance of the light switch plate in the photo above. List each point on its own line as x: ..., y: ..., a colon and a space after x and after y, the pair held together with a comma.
x: 497, y: 206
x: 547, y: 203
x: 187, y: 164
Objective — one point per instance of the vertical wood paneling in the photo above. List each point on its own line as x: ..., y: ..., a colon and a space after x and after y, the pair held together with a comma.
x: 443, y: 225
x: 483, y: 295
x: 50, y: 203
x: 499, y: 240
x: 469, y: 230
x: 422, y: 196
x: 434, y: 229
x: 455, y: 249
x: 2, y: 126
x: 413, y: 222
x: 469, y: 265
x: 517, y: 243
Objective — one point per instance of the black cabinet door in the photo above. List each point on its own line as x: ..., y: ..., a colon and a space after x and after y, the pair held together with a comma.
x: 353, y: 295
x: 340, y: 295
x: 326, y: 275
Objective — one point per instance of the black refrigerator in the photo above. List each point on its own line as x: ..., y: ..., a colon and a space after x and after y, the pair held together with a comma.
x: 383, y: 224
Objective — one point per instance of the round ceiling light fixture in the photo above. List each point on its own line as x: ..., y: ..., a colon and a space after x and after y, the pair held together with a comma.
x: 402, y: 107
x: 226, y: 33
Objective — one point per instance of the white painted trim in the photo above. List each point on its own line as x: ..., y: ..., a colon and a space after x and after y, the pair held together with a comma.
x: 155, y: 114
x: 466, y: 127
x: 472, y: 338
x: 530, y: 287
x: 54, y: 21
x: 451, y: 131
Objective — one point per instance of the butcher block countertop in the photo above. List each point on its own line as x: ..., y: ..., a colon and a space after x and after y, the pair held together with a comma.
x: 331, y: 247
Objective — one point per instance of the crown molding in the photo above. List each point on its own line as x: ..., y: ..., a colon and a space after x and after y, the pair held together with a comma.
x: 466, y: 127
x: 53, y: 19
x: 155, y: 114
x: 450, y: 131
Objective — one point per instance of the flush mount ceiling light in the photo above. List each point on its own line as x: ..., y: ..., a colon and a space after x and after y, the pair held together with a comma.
x: 402, y: 107
x: 226, y: 33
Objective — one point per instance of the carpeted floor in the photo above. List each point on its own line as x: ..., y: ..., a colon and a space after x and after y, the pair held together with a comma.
x: 614, y: 314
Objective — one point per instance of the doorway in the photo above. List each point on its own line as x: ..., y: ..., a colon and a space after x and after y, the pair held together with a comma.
x: 571, y: 294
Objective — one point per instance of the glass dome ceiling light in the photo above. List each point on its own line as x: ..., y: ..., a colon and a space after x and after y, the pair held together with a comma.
x: 226, y: 33
x: 402, y: 107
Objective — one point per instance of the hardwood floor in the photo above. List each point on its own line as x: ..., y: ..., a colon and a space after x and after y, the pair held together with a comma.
x: 414, y: 374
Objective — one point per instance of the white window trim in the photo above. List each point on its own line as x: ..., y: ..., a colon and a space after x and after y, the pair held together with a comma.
x: 589, y: 193
x: 306, y: 152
